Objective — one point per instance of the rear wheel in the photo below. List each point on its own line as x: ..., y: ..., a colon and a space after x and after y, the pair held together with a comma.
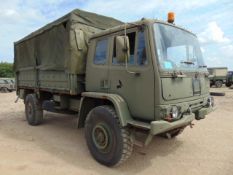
x: 33, y: 110
x: 108, y: 142
x: 218, y: 84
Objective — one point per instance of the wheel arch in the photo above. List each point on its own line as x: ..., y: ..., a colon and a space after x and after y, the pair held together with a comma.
x: 91, y: 100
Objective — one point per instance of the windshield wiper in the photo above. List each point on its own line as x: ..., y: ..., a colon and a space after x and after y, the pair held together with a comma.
x: 187, y: 62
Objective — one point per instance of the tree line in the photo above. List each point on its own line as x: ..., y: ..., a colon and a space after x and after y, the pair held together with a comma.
x: 6, y: 70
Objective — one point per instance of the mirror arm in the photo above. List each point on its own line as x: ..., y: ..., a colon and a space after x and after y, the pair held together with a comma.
x: 126, y: 59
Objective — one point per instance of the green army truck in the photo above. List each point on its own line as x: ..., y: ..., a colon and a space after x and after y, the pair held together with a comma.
x: 217, y: 76
x: 6, y: 85
x: 125, y: 81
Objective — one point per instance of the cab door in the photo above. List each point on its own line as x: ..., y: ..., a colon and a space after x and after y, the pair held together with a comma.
x: 97, y: 65
x: 134, y: 81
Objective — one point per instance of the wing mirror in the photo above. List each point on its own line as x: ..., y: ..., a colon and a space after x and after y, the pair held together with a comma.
x: 122, y: 49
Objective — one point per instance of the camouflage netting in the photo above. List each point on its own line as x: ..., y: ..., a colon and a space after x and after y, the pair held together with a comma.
x: 62, y: 44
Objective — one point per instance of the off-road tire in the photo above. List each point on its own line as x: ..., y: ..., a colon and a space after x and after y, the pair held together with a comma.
x: 172, y: 134
x: 33, y: 110
x: 218, y: 84
x: 119, y: 147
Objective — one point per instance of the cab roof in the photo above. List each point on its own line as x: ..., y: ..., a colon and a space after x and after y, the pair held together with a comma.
x: 143, y: 21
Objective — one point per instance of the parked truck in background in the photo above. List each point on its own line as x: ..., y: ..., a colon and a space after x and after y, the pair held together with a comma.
x: 218, y: 76
x: 121, y: 79
x: 6, y: 85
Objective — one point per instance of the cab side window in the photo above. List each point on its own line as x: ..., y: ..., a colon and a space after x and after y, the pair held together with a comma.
x: 132, y: 38
x: 100, y: 57
x: 141, y: 50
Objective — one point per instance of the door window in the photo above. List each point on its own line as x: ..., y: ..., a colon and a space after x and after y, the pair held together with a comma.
x: 141, y: 50
x: 101, y: 52
x: 132, y: 38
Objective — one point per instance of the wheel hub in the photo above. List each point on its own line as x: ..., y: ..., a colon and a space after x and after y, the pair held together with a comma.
x: 100, y: 136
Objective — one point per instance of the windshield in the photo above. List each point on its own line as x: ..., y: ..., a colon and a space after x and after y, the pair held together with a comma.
x: 177, y: 49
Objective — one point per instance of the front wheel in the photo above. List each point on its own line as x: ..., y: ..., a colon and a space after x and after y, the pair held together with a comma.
x: 108, y: 142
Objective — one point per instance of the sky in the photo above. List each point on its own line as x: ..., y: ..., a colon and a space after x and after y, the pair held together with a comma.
x: 210, y: 20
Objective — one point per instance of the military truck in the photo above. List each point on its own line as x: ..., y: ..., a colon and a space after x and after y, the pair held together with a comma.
x: 126, y: 82
x: 6, y: 85
x: 217, y: 76
x: 229, y: 79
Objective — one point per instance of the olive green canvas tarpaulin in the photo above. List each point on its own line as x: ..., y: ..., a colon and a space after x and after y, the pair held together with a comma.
x: 62, y: 44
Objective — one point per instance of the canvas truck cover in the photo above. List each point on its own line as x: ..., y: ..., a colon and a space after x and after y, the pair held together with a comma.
x: 62, y: 44
x: 218, y: 71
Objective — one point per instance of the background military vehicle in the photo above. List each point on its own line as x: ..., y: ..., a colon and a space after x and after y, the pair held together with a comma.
x: 229, y: 79
x: 146, y: 77
x: 6, y: 85
x: 218, y: 76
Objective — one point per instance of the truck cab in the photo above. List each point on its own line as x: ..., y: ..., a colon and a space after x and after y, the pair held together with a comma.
x: 157, y: 70
x: 164, y: 77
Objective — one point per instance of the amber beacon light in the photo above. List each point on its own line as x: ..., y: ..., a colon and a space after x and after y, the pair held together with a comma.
x: 171, y: 17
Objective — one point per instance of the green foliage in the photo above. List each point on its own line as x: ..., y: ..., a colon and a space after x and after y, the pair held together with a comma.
x: 6, y: 70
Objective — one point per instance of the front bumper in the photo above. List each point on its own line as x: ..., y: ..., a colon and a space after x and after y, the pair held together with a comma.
x: 162, y: 126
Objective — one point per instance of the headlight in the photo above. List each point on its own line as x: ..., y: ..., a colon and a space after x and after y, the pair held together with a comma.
x: 174, y: 112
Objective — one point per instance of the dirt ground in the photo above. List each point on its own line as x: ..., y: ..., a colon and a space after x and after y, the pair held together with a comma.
x: 58, y: 147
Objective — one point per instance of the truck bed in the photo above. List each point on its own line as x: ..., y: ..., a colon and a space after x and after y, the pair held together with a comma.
x: 53, y: 58
x: 53, y: 81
